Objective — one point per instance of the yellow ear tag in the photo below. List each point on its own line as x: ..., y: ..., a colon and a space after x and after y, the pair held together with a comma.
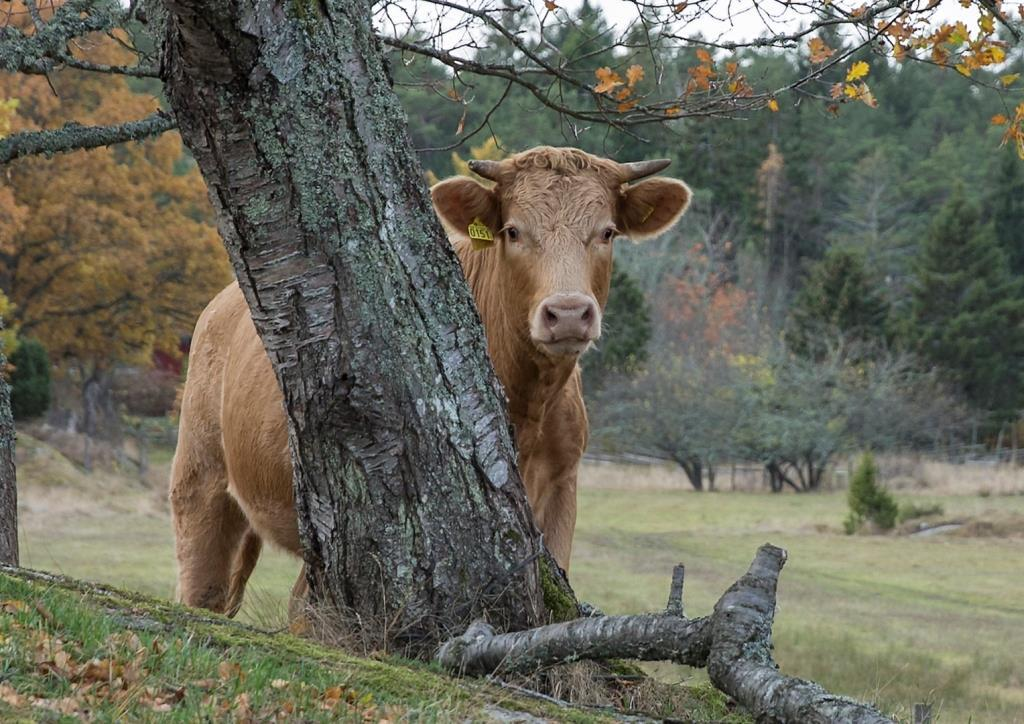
x: 480, y: 235
x: 647, y: 213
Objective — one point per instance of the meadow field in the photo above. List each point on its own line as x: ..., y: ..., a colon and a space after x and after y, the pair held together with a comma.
x: 894, y: 618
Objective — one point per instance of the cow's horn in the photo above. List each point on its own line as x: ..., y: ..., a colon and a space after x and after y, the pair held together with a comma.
x: 488, y: 169
x: 640, y: 169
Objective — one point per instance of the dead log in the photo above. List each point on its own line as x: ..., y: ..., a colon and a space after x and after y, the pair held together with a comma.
x: 734, y: 643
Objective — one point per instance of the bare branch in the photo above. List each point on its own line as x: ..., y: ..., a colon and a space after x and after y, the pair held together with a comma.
x: 74, y: 136
x: 734, y: 643
x: 675, y: 594
x: 483, y: 124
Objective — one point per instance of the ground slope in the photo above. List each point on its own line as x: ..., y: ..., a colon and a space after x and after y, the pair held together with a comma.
x: 76, y: 650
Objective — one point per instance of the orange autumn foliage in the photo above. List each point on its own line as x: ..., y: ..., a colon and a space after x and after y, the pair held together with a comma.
x: 115, y: 251
x: 702, y: 312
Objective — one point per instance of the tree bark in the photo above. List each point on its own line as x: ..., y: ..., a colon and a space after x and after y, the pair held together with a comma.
x: 411, y: 510
x: 90, y: 414
x: 734, y: 643
x: 8, y: 478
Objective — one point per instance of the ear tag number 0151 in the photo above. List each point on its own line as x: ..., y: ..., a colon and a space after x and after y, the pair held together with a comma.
x: 480, y: 234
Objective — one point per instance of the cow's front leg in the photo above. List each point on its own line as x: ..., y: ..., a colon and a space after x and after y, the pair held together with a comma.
x: 555, y: 513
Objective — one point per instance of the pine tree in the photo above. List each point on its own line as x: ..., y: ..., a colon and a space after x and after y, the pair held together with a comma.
x: 1007, y: 211
x: 838, y: 302
x: 967, y: 314
x: 868, y: 500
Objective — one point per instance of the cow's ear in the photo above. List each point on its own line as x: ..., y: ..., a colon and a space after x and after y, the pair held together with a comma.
x: 652, y: 206
x: 460, y: 201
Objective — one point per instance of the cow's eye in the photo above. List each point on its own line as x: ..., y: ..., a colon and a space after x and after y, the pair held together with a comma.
x: 608, y: 234
x: 512, y: 233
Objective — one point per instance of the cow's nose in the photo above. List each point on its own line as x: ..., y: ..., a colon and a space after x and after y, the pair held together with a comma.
x: 570, y: 316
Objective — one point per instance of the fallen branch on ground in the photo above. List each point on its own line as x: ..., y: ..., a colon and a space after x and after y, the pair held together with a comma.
x: 734, y: 643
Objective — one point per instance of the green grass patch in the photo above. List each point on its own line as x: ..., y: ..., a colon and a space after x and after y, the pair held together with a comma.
x: 885, y: 618
x: 69, y: 649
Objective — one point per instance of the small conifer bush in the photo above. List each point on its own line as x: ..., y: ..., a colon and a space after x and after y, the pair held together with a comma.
x: 868, y: 500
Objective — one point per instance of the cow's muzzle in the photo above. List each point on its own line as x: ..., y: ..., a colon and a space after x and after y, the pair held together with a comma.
x: 565, y: 324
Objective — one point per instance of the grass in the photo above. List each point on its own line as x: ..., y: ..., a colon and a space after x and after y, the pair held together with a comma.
x: 893, y: 619
x: 890, y: 619
x: 72, y: 650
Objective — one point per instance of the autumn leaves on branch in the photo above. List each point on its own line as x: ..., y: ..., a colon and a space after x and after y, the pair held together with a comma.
x: 521, y: 45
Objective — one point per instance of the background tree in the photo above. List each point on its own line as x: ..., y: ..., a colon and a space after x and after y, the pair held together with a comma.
x: 679, y: 408
x: 115, y: 251
x: 839, y: 301
x: 1006, y: 209
x: 625, y: 332
x: 968, y: 309
x: 681, y: 405
x: 30, y: 380
x: 12, y: 214
x: 871, y: 215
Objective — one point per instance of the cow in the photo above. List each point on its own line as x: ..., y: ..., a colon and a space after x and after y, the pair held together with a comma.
x: 536, y: 250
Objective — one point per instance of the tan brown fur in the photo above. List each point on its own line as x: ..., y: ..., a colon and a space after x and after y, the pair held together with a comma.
x: 231, y: 482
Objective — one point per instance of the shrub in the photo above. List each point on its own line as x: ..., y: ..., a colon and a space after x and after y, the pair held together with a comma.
x: 911, y: 511
x: 868, y: 500
x: 30, y: 381
x: 145, y: 392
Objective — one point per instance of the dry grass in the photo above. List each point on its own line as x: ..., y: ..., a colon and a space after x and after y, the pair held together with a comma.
x: 903, y: 473
x: 917, y: 474
x: 655, y: 476
x: 604, y: 475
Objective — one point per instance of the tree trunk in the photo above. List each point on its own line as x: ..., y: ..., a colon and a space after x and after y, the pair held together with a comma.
x: 8, y: 479
x: 1013, y: 433
x: 777, y: 477
x: 815, y: 473
x: 90, y: 414
x: 411, y: 510
x: 805, y: 484
x: 693, y: 470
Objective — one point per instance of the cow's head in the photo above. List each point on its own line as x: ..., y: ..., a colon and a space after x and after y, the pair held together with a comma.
x: 553, y: 214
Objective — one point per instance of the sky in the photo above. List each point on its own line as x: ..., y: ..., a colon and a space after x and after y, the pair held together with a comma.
x: 716, y: 20
x: 742, y: 20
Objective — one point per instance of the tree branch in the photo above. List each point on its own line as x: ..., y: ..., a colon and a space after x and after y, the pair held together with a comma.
x: 47, y: 47
x: 734, y: 643
x: 648, y: 637
x: 74, y: 136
